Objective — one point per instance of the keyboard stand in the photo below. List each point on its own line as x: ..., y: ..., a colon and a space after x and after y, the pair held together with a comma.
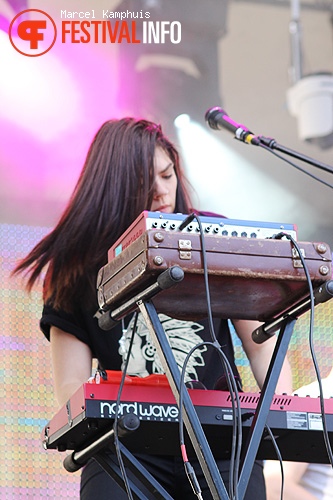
x: 193, y: 426
x: 142, y: 300
x: 142, y: 484
x: 191, y: 420
x: 265, y: 401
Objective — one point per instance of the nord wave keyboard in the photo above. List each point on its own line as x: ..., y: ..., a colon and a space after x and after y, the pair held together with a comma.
x: 296, y: 422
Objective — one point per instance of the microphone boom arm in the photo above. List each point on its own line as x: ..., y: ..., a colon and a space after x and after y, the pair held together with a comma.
x: 272, y: 144
x: 217, y: 119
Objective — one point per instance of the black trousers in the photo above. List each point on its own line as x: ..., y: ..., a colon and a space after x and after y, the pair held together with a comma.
x: 170, y: 473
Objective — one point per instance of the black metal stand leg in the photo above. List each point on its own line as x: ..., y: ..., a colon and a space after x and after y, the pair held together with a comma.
x: 191, y: 420
x: 264, y: 404
x: 143, y: 486
x: 111, y: 467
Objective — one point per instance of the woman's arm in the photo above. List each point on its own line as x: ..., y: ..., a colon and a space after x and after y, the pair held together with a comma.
x: 71, y: 362
x: 293, y: 472
x: 260, y: 356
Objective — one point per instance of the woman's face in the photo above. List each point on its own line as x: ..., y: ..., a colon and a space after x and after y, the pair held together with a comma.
x: 165, y: 184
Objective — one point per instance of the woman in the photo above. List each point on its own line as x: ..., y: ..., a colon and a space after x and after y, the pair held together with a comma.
x: 130, y: 167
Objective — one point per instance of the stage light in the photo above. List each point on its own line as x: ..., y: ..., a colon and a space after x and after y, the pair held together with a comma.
x: 27, y: 101
x: 228, y: 183
x: 182, y: 120
x: 164, y: 80
x: 310, y: 100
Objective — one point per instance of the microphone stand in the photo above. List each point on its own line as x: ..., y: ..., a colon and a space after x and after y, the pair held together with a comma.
x: 217, y: 119
x: 272, y: 144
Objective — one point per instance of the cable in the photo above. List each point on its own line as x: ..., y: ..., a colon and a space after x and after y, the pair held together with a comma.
x: 295, y: 165
x: 115, y: 424
x: 205, y: 273
x: 236, y: 440
x: 311, y: 344
x: 232, y: 386
x: 236, y: 425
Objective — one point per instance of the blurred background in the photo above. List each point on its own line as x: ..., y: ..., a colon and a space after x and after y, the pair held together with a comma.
x: 245, y: 56
x: 267, y: 63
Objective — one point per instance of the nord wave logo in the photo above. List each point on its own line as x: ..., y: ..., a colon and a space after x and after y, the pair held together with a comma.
x: 145, y: 411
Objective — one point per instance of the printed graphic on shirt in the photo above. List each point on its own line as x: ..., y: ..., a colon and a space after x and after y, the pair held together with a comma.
x: 144, y: 359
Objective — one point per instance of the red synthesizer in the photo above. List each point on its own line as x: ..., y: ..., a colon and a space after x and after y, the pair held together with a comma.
x: 296, y: 422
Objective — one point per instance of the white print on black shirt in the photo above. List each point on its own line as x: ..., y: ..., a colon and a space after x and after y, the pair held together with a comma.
x: 182, y: 336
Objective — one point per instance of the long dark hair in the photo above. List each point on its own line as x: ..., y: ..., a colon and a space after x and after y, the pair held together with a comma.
x: 114, y: 187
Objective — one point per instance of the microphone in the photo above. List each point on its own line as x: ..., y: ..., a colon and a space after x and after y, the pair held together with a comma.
x: 217, y: 119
